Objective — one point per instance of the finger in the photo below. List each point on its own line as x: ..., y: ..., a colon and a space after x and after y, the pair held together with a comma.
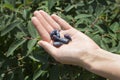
x: 61, y: 22
x: 41, y: 30
x: 50, y: 20
x: 48, y: 47
x: 43, y: 22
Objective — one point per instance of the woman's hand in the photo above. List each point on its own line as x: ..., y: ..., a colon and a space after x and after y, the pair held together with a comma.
x: 80, y: 51
x: 68, y: 53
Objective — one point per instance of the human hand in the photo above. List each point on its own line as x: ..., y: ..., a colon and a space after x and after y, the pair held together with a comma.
x: 70, y: 53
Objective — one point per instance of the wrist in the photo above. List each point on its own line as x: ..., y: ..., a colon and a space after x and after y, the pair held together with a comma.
x: 101, y: 62
x: 95, y: 59
x: 105, y: 64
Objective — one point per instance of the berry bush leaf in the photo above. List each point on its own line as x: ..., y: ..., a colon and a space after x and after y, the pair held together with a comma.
x: 14, y: 46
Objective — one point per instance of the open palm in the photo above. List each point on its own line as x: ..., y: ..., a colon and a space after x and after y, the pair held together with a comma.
x: 67, y: 53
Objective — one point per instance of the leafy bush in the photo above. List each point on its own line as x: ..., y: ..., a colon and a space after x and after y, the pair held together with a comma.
x: 22, y: 59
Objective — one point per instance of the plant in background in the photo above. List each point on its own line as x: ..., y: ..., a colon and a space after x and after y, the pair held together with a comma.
x: 22, y: 59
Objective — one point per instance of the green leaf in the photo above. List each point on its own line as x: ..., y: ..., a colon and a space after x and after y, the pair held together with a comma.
x: 26, y: 14
x: 103, y: 2
x: 118, y: 48
x: 118, y: 36
x: 9, y: 28
x: 9, y: 6
x: 38, y: 73
x: 51, y: 3
x: 96, y: 38
x: 32, y: 31
x: 113, y: 49
x: 117, y: 1
x: 115, y: 27
x: 14, y: 46
x: 82, y: 16
x: 113, y: 35
x: 30, y: 45
x: 2, y: 76
x: 54, y: 73
x: 37, y: 56
x: 103, y: 45
x: 99, y: 29
x: 69, y: 7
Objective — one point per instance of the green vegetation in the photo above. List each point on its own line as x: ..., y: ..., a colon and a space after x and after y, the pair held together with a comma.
x: 22, y: 59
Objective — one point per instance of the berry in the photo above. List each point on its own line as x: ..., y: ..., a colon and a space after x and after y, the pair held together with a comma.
x: 64, y: 40
x: 58, y: 33
x: 68, y: 36
x: 54, y: 32
x: 57, y: 41
x: 51, y: 34
x: 55, y: 38
x: 57, y: 44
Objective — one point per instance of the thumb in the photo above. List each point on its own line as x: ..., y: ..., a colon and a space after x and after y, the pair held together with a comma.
x: 48, y: 47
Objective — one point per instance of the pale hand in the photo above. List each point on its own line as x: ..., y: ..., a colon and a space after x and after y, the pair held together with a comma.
x: 67, y: 53
x: 81, y: 51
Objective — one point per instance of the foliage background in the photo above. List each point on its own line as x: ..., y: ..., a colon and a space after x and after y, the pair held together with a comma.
x: 22, y: 59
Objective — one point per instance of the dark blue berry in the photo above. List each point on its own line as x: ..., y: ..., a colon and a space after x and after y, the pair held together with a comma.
x: 58, y: 33
x: 57, y: 41
x: 57, y: 44
x: 55, y: 32
x: 51, y: 34
x: 55, y: 38
x: 64, y: 40
x: 68, y: 36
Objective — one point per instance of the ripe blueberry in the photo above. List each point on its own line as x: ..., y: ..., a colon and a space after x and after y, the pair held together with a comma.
x: 51, y: 34
x: 55, y: 38
x: 54, y: 32
x: 68, y: 36
x: 58, y: 33
x: 57, y: 44
x: 64, y: 40
x: 57, y: 41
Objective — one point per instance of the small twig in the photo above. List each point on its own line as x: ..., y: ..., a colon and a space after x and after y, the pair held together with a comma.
x: 30, y: 38
x: 12, y: 69
x: 93, y: 23
x: 52, y: 63
x: 117, y: 31
x: 105, y: 35
x: 26, y: 37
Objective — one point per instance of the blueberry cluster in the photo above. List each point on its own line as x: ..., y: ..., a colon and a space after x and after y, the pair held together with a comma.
x: 57, y: 40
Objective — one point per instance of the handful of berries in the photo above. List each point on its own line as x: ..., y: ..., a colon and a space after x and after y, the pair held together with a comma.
x: 57, y: 40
